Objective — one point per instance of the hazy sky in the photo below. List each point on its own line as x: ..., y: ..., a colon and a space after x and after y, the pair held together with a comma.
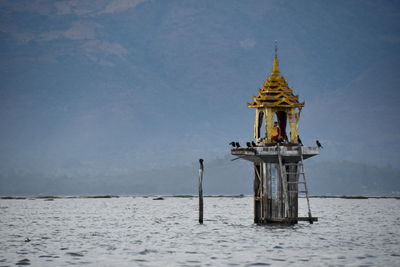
x: 114, y: 86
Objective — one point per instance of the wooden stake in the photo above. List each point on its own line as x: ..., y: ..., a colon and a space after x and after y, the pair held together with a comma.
x: 201, y: 170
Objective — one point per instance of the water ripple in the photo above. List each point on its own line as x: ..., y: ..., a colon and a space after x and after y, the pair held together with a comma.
x: 139, y: 231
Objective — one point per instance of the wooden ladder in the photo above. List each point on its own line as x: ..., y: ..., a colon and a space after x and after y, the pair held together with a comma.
x: 302, y: 175
x: 300, y: 179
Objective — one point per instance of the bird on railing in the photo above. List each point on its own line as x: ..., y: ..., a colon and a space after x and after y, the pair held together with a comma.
x: 253, y: 144
x: 299, y: 140
x: 233, y: 144
x: 319, y: 144
x: 237, y: 145
x: 248, y: 144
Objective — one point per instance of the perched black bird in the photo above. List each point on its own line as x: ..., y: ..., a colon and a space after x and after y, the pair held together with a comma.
x: 319, y: 144
x: 248, y: 144
x: 299, y: 140
x: 201, y: 163
x: 233, y: 144
x: 253, y: 144
x: 237, y: 145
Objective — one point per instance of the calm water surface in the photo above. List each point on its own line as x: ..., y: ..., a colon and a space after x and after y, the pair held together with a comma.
x: 140, y: 231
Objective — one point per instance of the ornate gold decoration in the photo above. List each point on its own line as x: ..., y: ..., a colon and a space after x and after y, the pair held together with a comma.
x: 275, y: 92
x: 275, y: 96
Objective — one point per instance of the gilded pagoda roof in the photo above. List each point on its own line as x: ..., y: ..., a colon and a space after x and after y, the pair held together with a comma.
x: 275, y: 91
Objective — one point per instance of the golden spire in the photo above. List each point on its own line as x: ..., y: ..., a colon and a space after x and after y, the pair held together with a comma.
x: 275, y: 68
x: 275, y: 92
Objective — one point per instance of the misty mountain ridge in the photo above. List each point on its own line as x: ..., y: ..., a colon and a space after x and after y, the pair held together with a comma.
x: 222, y: 176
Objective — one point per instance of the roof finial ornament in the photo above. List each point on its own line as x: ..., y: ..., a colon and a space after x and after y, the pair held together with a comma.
x: 275, y: 69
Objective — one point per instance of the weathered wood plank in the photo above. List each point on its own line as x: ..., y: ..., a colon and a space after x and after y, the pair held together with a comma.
x: 276, y: 192
x: 289, y: 220
x: 257, y: 196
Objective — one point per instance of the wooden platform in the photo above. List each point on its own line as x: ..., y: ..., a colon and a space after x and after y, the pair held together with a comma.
x: 269, y: 154
x: 289, y: 220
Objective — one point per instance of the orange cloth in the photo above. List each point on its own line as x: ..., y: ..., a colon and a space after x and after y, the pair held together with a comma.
x: 275, y: 133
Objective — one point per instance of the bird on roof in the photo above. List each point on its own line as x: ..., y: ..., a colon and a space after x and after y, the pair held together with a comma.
x: 299, y: 140
x: 248, y: 144
x: 237, y: 145
x: 233, y: 144
x: 319, y: 144
x: 253, y: 144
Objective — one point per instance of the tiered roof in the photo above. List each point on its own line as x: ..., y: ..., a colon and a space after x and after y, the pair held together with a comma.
x: 275, y: 91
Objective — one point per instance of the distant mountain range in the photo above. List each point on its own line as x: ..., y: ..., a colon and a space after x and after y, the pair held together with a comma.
x: 221, y: 176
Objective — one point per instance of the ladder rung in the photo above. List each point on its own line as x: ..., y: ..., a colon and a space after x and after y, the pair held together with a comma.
x: 291, y: 191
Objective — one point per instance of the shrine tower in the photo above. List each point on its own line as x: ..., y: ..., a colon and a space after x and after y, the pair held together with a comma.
x: 277, y: 152
x: 276, y: 99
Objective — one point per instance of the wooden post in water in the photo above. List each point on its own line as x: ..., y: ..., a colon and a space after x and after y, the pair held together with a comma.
x: 201, y: 170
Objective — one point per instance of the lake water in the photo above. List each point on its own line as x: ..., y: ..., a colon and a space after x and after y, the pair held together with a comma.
x: 140, y: 231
